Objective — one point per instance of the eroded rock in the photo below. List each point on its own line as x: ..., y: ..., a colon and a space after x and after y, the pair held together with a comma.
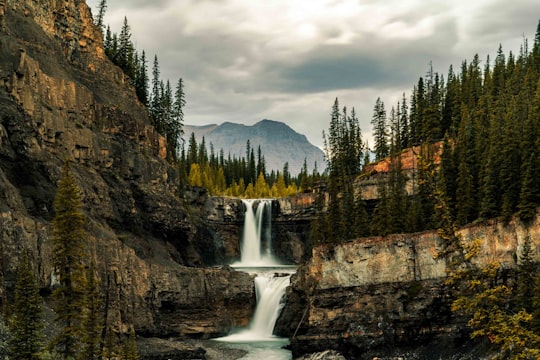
x: 386, y: 296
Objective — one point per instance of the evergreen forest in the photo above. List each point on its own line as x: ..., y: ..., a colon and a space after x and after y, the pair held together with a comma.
x: 485, y: 116
x: 475, y: 135
x: 485, y: 121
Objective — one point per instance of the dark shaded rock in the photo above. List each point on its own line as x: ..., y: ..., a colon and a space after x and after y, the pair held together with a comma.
x: 160, y: 349
x: 61, y: 98
x: 325, y: 355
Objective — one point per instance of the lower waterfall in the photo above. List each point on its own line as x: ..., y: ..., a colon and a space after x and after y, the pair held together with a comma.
x: 269, y: 289
x: 271, y: 281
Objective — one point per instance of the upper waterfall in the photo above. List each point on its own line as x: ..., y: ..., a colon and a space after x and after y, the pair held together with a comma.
x: 256, y: 242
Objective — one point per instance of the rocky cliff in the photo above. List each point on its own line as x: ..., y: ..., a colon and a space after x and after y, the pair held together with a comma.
x: 61, y: 98
x: 386, y: 296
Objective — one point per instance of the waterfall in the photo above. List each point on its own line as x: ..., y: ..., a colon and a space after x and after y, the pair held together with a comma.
x: 269, y: 289
x: 250, y: 246
x: 257, y: 231
x: 256, y: 258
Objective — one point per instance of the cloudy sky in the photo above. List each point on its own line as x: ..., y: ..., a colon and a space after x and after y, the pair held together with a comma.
x: 287, y: 60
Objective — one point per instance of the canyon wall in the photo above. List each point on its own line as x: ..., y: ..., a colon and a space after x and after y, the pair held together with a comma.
x: 62, y: 99
x: 153, y: 239
x: 386, y: 296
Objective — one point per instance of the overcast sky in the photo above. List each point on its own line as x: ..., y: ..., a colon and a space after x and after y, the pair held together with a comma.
x: 287, y: 60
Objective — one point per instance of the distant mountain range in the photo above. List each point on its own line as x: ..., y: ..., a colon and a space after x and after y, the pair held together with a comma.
x: 279, y: 143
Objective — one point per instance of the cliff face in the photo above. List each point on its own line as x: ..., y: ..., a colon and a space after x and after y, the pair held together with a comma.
x: 60, y: 98
x: 385, y: 296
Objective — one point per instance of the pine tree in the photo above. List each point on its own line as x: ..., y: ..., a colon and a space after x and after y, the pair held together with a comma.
x: 110, y: 43
x: 141, y: 79
x: 102, y: 7
x: 177, y: 125
x: 130, y: 351
x: 527, y: 270
x: 488, y: 123
x: 380, y: 131
x: 529, y: 197
x: 466, y: 182
x: 535, y: 54
x: 261, y: 166
x: 529, y: 194
x: 418, y: 106
x: 404, y: 121
x: 193, y: 152
x: 286, y: 173
x: 510, y: 168
x: 381, y: 218
x: 451, y: 104
x: 431, y: 113
x: 155, y: 109
x: 26, y: 322
x: 446, y: 177
x: 5, y: 338
x: 68, y: 255
x: 126, y: 51
x: 93, y: 322
x: 202, y: 153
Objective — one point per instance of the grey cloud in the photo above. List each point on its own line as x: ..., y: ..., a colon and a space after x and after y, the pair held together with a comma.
x: 373, y: 62
x: 219, y: 88
x: 323, y: 73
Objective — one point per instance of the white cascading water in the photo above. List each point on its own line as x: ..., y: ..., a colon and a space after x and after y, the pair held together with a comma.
x: 269, y: 288
x: 250, y: 252
x: 254, y: 233
x: 269, y: 285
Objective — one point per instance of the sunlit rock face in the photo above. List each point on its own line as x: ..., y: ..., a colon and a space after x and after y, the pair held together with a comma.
x: 386, y: 296
x: 61, y: 98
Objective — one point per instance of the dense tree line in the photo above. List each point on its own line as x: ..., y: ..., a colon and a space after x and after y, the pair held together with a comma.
x: 240, y: 176
x: 165, y: 105
x: 488, y: 122
x: 345, y: 151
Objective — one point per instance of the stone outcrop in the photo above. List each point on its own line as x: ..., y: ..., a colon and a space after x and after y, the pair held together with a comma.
x: 292, y: 217
x: 61, y: 98
x: 384, y: 296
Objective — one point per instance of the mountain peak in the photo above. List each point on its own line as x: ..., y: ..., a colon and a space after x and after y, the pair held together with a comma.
x: 278, y: 141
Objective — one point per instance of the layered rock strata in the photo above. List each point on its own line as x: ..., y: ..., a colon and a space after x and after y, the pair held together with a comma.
x: 386, y: 296
x: 61, y: 98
